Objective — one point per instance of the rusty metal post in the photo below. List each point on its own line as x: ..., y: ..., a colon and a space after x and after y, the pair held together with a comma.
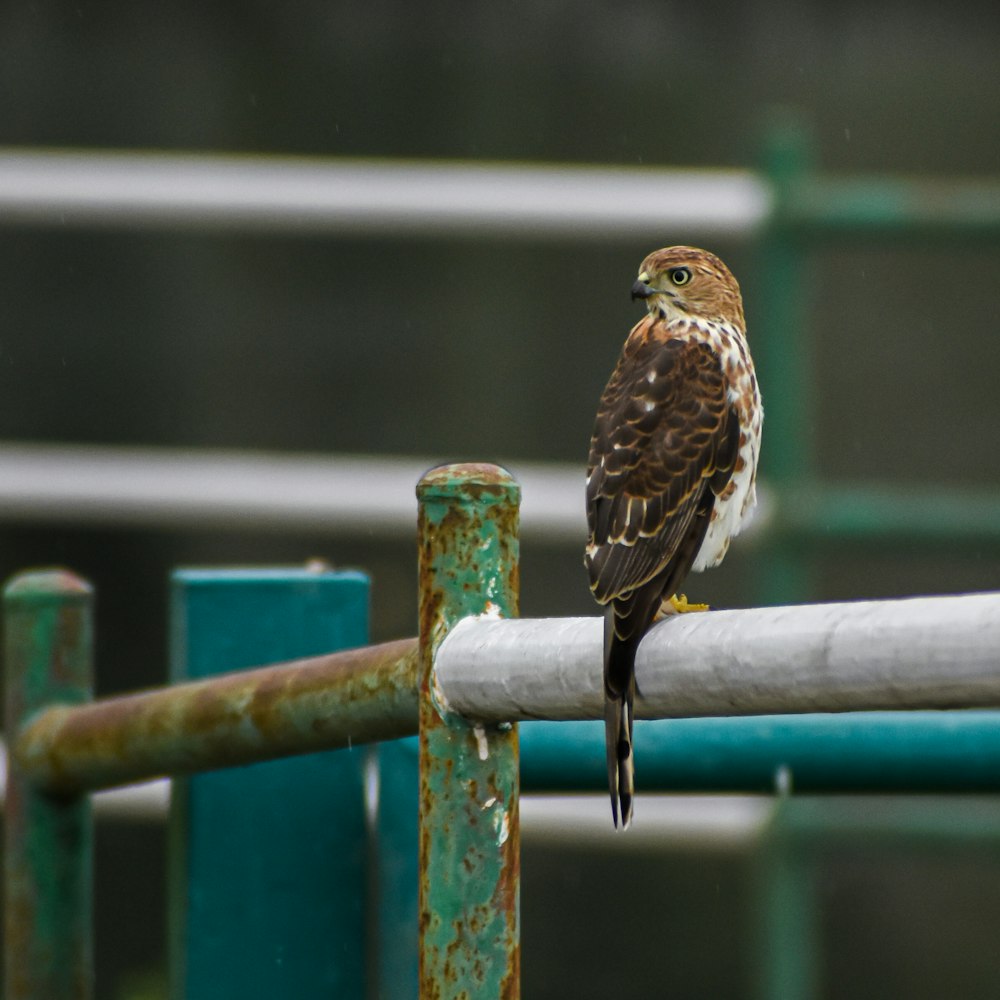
x: 48, y: 953
x: 469, y: 824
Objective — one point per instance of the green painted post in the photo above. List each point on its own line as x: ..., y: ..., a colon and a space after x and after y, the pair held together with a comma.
x: 48, y: 858
x: 268, y: 883
x: 469, y: 823
x: 782, y: 349
x: 786, y: 920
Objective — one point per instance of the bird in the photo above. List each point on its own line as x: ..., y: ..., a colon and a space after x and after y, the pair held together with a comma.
x: 671, y: 471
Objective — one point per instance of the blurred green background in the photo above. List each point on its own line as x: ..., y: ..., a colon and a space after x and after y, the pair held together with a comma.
x: 497, y: 350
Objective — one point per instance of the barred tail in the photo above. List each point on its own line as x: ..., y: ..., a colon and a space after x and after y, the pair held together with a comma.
x: 619, y: 698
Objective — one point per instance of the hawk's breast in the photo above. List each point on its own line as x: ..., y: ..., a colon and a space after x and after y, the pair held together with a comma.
x: 734, y: 505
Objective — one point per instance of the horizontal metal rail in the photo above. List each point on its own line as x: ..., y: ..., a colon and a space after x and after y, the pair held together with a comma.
x: 916, y: 751
x: 893, y: 207
x: 209, y: 489
x: 321, y: 703
x: 425, y: 199
x: 919, y: 653
x: 433, y: 199
x: 721, y: 821
x: 878, y: 514
x: 937, y: 652
x: 889, y: 752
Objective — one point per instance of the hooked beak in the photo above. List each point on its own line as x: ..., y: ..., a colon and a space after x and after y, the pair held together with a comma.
x: 640, y: 290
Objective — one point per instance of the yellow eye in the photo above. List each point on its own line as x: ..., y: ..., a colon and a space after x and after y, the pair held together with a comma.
x: 680, y: 276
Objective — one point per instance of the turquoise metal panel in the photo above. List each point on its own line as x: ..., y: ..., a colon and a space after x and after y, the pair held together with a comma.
x: 268, y: 862
x: 395, y: 964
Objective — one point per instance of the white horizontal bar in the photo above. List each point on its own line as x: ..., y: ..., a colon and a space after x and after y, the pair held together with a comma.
x: 932, y: 652
x: 375, y: 197
x: 669, y: 822
x: 225, y: 490
x: 147, y: 801
x: 722, y: 822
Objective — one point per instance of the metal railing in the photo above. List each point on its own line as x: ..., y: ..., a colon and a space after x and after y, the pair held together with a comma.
x: 433, y: 199
x: 424, y: 199
x: 787, y: 208
x: 210, y: 489
x: 468, y: 655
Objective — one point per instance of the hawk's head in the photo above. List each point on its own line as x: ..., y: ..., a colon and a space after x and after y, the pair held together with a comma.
x: 685, y: 283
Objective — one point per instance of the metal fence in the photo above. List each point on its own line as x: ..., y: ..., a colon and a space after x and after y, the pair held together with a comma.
x: 787, y: 209
x: 442, y: 916
x: 463, y: 853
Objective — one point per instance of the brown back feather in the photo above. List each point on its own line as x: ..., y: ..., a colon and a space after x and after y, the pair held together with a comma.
x: 660, y: 451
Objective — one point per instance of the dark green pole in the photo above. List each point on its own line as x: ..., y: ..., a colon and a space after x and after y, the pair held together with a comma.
x: 786, y: 916
x: 782, y: 345
x: 48, y: 863
x: 469, y: 823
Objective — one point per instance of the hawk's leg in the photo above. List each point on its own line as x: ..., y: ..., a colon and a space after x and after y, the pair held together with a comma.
x: 677, y: 604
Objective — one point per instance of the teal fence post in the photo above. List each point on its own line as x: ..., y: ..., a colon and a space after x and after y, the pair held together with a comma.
x: 267, y: 883
x: 48, y: 841
x: 469, y: 822
x: 394, y: 964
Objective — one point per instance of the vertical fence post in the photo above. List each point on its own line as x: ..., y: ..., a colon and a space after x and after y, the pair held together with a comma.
x: 48, y: 850
x: 267, y: 886
x: 783, y: 349
x: 786, y: 914
x: 394, y: 965
x: 469, y: 823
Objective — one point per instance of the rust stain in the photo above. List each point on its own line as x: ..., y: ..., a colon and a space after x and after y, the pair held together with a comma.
x: 464, y: 564
x: 297, y: 707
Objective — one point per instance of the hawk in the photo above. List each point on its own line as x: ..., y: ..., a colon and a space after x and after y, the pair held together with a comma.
x: 673, y: 459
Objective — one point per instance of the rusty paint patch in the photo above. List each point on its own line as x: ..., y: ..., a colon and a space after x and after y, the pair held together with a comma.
x: 469, y: 864
x: 303, y: 706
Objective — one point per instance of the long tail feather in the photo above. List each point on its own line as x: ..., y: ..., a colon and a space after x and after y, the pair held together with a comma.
x: 619, y: 701
x: 621, y: 760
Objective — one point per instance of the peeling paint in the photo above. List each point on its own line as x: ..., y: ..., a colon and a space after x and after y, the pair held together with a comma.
x: 469, y: 863
x: 504, y: 832
x: 438, y: 696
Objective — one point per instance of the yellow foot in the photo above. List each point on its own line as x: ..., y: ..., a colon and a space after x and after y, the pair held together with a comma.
x: 678, y: 605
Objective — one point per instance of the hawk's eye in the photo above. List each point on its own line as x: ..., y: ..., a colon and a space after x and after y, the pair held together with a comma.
x: 680, y: 276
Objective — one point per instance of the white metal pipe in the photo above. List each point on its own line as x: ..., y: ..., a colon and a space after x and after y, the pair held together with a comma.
x: 718, y: 821
x: 218, y: 490
x: 932, y: 652
x: 375, y: 197
x: 240, y: 490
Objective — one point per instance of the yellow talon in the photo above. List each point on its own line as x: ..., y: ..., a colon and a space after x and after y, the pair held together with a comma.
x: 682, y: 606
x: 678, y: 605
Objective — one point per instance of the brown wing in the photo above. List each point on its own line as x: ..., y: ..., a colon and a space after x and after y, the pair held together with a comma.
x: 664, y: 445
